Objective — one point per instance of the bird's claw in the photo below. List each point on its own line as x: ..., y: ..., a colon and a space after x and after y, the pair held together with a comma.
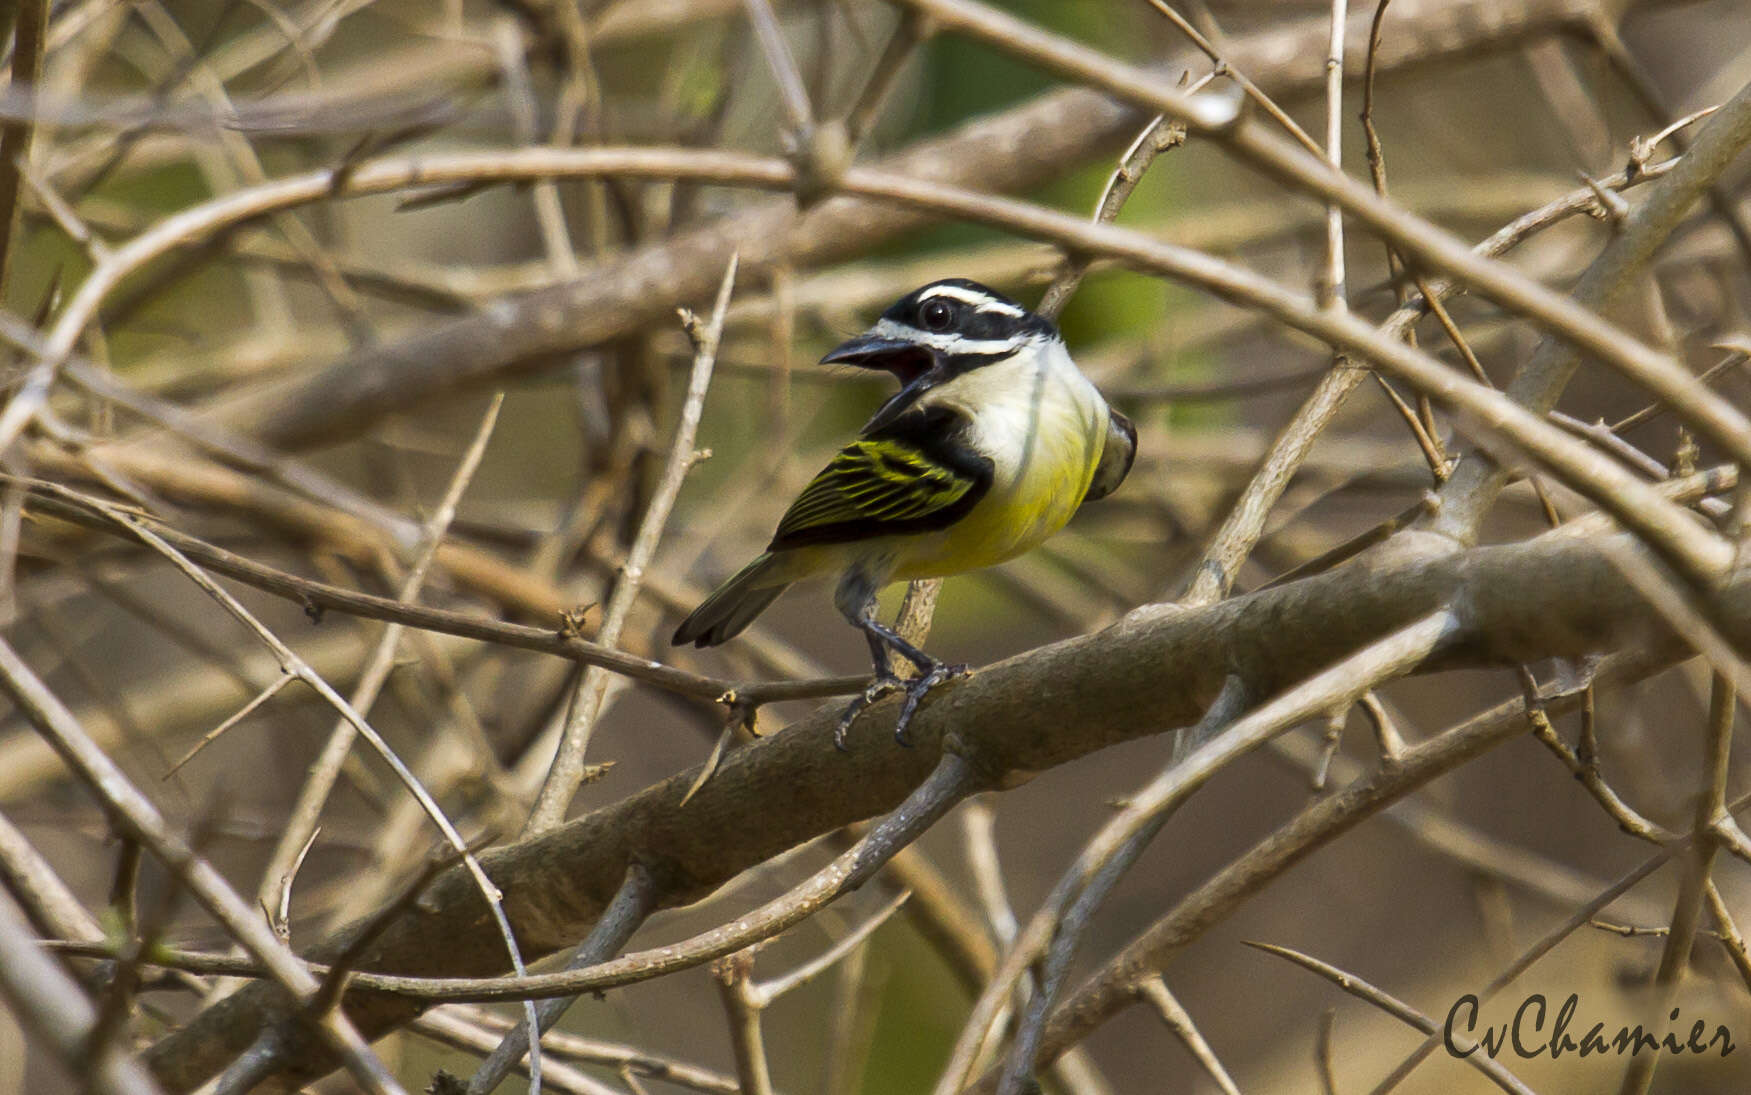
x: 876, y: 689
x: 915, y: 690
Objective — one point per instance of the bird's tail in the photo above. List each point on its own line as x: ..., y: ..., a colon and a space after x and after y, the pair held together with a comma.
x: 734, y: 605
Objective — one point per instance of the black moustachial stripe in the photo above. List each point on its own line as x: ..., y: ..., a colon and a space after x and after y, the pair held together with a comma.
x: 990, y: 326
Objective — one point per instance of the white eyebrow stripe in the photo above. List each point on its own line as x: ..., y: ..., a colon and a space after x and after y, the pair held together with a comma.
x: 948, y: 342
x: 985, y: 301
x: 1002, y: 309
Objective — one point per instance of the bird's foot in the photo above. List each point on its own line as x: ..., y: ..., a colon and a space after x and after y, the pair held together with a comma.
x: 877, y: 688
x: 914, y: 688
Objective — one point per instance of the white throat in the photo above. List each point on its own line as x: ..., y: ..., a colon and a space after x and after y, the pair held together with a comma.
x: 1029, y: 406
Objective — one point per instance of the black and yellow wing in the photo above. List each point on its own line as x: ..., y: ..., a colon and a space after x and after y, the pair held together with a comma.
x: 913, y: 475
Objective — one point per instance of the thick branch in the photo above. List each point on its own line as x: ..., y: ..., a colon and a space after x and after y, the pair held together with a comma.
x: 1155, y: 670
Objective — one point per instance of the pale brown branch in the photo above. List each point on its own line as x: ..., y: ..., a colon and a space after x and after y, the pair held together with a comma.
x: 1018, y: 150
x: 325, y: 771
x: 53, y: 1007
x: 1114, y: 986
x: 1381, y: 660
x: 565, y: 774
x: 479, y: 1029
x: 1728, y: 930
x: 1416, y: 238
x: 1541, y: 380
x: 1219, y: 567
x: 322, y: 596
x: 734, y: 977
x: 1711, y: 805
x: 51, y: 906
x: 1537, y: 950
x: 213, y: 735
x: 1178, y: 1020
x: 1396, y: 1008
x: 142, y: 820
x: 625, y: 914
x: 764, y: 992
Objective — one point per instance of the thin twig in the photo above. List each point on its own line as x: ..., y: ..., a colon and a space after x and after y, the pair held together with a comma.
x: 306, y: 812
x: 320, y: 596
x: 1717, y: 419
x: 632, y: 904
x: 1398, y: 1009
x: 1467, y: 497
x: 734, y: 977
x: 51, y: 905
x: 1537, y: 950
x: 1578, y: 326
x: 1331, y: 284
x: 144, y: 822
x: 1728, y: 932
x: 951, y: 781
x: 1587, y: 774
x: 1711, y: 805
x: 334, y: 978
x: 1252, y: 90
x: 261, y: 697
x: 566, y: 773
x: 912, y: 31
x: 1219, y: 566
x: 480, y: 1030
x: 293, y: 664
x: 1178, y: 1020
x: 1322, y: 1053
x: 1157, y: 137
x: 767, y: 991
x: 782, y: 65
x: 52, y: 1006
x: 978, y: 824
x: 1340, y: 683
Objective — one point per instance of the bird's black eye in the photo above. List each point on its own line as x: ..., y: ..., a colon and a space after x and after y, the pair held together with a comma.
x: 937, y: 315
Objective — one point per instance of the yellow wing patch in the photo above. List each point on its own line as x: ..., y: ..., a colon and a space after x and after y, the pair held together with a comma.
x: 870, y: 486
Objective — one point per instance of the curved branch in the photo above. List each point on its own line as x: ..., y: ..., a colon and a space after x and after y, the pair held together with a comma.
x: 1261, y: 147
x: 1114, y: 987
x: 1466, y: 498
x: 1490, y: 414
x: 1019, y: 149
x: 1153, y: 671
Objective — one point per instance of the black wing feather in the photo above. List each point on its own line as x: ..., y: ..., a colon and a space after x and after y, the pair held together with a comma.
x: 914, y: 473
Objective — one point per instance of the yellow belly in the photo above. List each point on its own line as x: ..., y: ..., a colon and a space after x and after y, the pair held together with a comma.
x: 1017, y: 513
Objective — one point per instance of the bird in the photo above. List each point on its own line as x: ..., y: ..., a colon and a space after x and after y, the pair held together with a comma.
x: 992, y: 442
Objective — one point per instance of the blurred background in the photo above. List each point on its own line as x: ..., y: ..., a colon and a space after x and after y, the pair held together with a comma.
x: 1427, y: 903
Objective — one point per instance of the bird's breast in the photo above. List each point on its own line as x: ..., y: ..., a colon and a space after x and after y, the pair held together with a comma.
x: 1042, y: 427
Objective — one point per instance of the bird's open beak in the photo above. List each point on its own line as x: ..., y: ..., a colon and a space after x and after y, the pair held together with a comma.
x: 906, y: 360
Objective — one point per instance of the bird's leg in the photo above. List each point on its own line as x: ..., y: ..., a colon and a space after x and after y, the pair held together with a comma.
x: 882, y: 639
x: 885, y: 680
